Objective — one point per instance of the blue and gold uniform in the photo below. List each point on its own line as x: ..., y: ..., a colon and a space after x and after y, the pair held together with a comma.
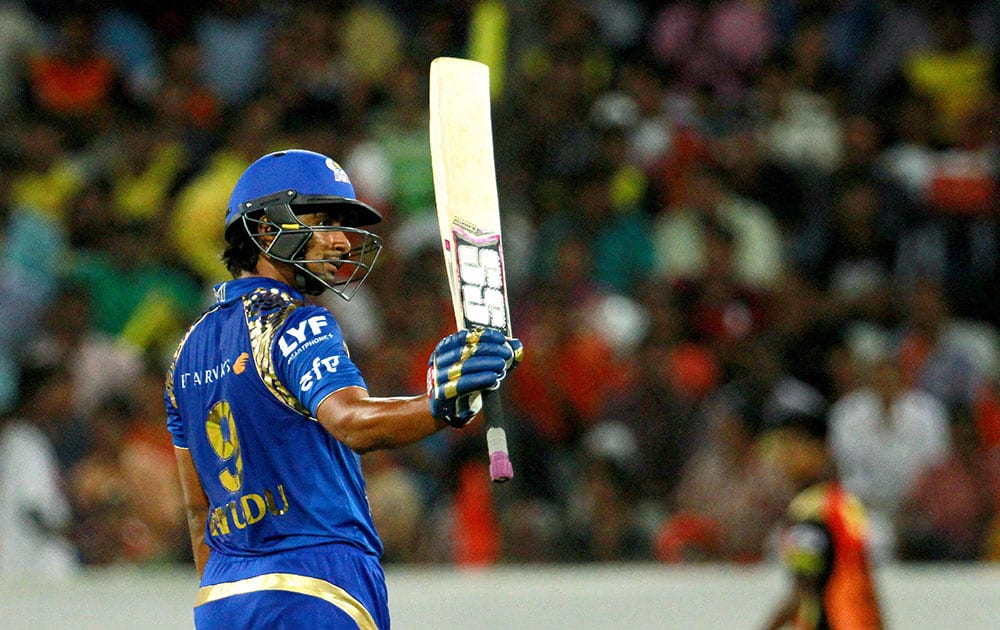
x: 287, y: 503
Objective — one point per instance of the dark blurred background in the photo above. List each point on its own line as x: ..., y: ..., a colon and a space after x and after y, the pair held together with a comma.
x: 720, y: 219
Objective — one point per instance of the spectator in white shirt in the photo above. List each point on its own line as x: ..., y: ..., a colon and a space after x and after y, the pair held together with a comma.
x: 883, y: 435
x: 34, y: 512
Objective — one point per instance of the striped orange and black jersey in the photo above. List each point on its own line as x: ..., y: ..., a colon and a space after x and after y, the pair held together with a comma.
x: 824, y: 545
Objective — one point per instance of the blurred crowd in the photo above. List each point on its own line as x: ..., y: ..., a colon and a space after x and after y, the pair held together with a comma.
x: 719, y: 218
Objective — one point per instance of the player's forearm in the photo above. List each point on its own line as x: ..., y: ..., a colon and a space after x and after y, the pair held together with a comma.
x: 196, y: 527
x: 369, y: 424
x: 196, y: 506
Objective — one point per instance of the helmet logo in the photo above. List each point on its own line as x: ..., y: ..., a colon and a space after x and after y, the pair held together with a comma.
x: 338, y: 172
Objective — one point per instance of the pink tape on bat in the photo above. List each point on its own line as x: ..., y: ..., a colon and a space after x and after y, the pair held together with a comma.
x: 500, y: 467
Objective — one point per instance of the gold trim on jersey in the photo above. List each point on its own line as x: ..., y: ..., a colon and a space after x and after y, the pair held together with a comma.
x: 291, y: 583
x: 177, y: 354
x: 266, y: 311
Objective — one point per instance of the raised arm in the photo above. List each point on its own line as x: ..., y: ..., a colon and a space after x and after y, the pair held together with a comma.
x: 460, y: 368
x: 364, y: 423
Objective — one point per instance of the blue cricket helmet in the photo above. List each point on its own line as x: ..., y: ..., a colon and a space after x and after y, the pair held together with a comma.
x: 314, y: 178
x: 279, y: 186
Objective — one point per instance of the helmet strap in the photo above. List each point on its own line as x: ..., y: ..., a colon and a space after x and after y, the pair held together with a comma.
x: 306, y: 283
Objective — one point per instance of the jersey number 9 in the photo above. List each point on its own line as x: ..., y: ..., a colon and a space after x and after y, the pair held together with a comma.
x: 221, y: 430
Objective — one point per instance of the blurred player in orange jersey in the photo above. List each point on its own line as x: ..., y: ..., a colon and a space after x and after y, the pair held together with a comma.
x: 823, y: 541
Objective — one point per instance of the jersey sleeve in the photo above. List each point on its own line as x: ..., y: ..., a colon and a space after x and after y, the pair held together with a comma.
x: 174, y: 423
x: 311, y: 359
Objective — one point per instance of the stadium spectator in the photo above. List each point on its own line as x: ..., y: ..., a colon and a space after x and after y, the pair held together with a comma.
x: 401, y: 132
x: 398, y: 505
x: 755, y: 174
x: 137, y: 295
x: 148, y: 164
x: 625, y: 257
x: 884, y: 435
x: 104, y: 528
x: 99, y: 365
x: 952, y: 70
x: 720, y: 309
x: 9, y: 349
x: 719, y: 45
x: 943, y: 355
x: 19, y: 40
x: 728, y: 498
x: 35, y: 517
x: 603, y: 517
x: 681, y: 233
x: 184, y: 106
x: 149, y: 465
x: 947, y: 513
x: 805, y: 335
x: 208, y: 188
x: 34, y: 244
x: 658, y: 409
x: 796, y: 116
x: 986, y: 417
x: 855, y: 267
x: 126, y: 497
x: 48, y: 175
x: 233, y: 37
x: 74, y: 82
x: 130, y: 42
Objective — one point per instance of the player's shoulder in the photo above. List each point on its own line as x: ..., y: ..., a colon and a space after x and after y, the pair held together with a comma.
x: 287, y: 324
x: 269, y: 310
x: 810, y: 504
x: 268, y: 302
x: 279, y: 309
x: 190, y: 332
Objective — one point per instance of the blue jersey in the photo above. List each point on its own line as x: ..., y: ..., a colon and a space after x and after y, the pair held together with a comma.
x: 241, y: 396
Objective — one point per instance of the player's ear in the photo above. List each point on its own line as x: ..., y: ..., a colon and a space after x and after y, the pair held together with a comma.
x: 264, y: 229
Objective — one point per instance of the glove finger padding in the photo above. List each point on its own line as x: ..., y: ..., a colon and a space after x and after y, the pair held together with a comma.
x: 473, y: 374
x: 462, y: 365
x: 516, y: 355
x: 487, y: 336
x: 499, y: 354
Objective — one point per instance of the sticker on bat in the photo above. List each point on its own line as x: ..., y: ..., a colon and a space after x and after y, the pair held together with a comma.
x: 480, y: 275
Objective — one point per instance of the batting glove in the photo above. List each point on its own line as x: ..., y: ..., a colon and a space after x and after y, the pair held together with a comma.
x: 462, y: 366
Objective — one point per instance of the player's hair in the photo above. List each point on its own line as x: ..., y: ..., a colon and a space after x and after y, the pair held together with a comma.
x: 241, y: 253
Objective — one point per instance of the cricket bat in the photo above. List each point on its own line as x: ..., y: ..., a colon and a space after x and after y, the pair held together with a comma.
x: 465, y: 189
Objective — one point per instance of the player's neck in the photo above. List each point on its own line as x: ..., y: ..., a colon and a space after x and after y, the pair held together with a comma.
x: 268, y: 268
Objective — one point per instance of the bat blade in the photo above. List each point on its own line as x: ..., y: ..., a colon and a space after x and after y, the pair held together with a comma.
x: 465, y: 189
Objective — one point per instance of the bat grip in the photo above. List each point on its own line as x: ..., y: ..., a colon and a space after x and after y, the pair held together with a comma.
x: 501, y: 469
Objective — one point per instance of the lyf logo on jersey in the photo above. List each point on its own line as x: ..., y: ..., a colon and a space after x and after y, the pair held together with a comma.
x: 320, y: 367
x: 295, y: 336
x: 481, y: 274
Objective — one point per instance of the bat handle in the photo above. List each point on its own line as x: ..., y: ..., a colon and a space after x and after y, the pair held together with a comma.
x: 501, y: 469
